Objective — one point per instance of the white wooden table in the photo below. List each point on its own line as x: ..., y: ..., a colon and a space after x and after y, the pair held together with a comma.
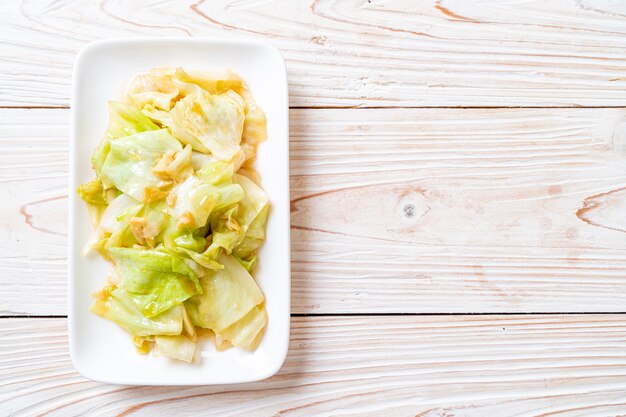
x: 458, y: 174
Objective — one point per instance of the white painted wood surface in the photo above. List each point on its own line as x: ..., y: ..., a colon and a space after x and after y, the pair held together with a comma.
x: 393, y: 210
x: 366, y: 366
x: 351, y: 53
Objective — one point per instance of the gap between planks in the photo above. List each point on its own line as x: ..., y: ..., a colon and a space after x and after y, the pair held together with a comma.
x: 369, y: 107
x: 578, y: 313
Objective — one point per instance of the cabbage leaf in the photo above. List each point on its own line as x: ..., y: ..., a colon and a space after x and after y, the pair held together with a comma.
x: 227, y: 296
x: 124, y: 120
x: 117, y: 305
x: 129, y: 164
x: 209, y: 123
x: 176, y: 347
x: 156, y: 281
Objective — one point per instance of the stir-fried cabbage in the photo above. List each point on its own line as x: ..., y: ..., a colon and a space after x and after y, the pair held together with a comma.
x: 177, y: 209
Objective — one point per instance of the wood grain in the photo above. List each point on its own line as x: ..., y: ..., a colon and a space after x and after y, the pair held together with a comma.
x: 33, y: 213
x: 367, y: 366
x: 351, y: 53
x: 393, y: 210
x: 414, y: 210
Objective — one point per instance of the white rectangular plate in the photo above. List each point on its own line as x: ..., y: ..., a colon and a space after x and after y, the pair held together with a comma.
x: 102, y: 351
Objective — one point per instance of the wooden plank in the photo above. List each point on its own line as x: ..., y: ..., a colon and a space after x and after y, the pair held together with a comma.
x: 365, y: 366
x: 393, y: 210
x: 33, y: 213
x: 509, y: 210
x: 352, y: 53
